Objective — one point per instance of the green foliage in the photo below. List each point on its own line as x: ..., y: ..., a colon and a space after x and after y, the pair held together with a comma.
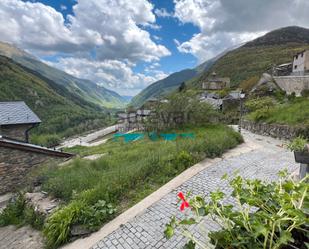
x: 245, y: 63
x: 259, y: 103
x: 13, y: 213
x: 58, y: 225
x: 294, y: 113
x: 17, y: 212
x: 224, y: 92
x: 280, y: 219
x: 122, y: 174
x: 61, y: 112
x: 298, y: 144
x: 305, y: 93
x: 182, y: 109
x: 248, y: 84
x: 163, y: 87
x: 46, y: 140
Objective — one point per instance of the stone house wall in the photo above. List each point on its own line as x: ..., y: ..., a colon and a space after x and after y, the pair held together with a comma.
x: 15, y: 164
x: 292, y: 84
x: 15, y: 131
x: 275, y: 130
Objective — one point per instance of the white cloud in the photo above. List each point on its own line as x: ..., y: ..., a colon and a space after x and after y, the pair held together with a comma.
x: 205, y: 47
x: 177, y: 42
x: 163, y: 13
x: 113, y: 74
x: 110, y: 27
x: 63, y: 7
x: 223, y: 23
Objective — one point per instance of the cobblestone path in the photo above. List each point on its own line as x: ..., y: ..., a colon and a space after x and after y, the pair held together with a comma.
x: 145, y: 231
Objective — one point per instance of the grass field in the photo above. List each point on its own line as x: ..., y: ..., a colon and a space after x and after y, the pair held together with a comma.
x: 126, y: 173
x: 294, y: 113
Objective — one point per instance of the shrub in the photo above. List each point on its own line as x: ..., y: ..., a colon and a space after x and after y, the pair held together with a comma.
x: 280, y: 219
x: 46, y: 140
x: 264, y: 103
x: 298, y: 144
x: 18, y: 213
x: 58, y: 226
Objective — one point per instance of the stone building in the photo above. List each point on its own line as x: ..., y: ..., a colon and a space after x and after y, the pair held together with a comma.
x: 17, y: 156
x: 216, y: 83
x: 133, y: 120
x: 16, y: 120
x: 293, y: 78
x: 301, y: 63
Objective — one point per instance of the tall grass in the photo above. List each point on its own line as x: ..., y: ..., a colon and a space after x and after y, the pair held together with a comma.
x: 126, y: 168
x: 294, y: 112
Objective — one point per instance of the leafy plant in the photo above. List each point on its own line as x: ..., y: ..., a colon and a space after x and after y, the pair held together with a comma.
x: 280, y: 219
x: 18, y: 213
x: 58, y: 226
x: 298, y: 144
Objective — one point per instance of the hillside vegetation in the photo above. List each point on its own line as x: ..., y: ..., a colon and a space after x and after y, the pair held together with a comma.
x: 244, y: 65
x: 163, y: 87
x: 61, y: 115
x: 171, y: 83
x: 258, y: 56
x: 80, y: 88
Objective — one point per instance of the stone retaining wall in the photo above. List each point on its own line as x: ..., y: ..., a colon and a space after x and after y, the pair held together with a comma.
x: 15, y: 164
x: 275, y: 130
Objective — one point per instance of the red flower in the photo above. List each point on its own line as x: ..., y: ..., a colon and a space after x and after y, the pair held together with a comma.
x: 184, y: 203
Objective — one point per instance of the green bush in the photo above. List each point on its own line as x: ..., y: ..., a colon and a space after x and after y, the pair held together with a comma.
x: 58, y: 225
x: 264, y: 103
x: 280, y: 219
x: 298, y: 144
x: 18, y: 213
x: 46, y: 140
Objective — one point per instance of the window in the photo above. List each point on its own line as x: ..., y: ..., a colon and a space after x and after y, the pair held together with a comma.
x: 295, y: 67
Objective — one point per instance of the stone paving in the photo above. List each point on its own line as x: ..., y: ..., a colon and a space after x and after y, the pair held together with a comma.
x: 146, y: 230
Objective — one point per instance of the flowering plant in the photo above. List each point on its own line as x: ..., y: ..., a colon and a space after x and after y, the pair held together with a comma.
x: 266, y: 215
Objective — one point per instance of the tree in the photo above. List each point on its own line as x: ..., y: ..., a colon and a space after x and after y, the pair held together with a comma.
x: 182, y: 87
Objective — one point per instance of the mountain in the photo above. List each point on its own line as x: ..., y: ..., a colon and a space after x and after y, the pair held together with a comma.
x: 169, y: 84
x: 244, y: 65
x: 163, y: 87
x: 85, y: 89
x: 62, y: 112
x: 127, y: 98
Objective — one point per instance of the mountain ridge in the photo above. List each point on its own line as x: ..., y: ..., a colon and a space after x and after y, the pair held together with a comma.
x: 86, y: 89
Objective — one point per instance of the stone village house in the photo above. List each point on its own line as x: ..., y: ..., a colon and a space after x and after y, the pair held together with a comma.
x: 216, y: 83
x: 290, y: 77
x: 17, y: 156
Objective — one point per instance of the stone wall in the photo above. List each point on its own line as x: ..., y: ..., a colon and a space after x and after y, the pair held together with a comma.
x: 275, y: 130
x: 15, y: 131
x: 15, y: 164
x: 292, y: 84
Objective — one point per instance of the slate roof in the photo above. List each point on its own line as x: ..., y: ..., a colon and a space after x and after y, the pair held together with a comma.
x: 17, y: 113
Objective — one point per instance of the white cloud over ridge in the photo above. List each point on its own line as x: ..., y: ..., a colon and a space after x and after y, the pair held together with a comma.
x: 112, y: 74
x: 225, y: 23
x: 111, y: 32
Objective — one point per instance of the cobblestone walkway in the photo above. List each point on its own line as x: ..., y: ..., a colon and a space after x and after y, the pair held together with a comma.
x: 146, y: 230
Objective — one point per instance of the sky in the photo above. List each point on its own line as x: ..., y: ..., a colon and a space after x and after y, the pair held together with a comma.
x: 125, y: 45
